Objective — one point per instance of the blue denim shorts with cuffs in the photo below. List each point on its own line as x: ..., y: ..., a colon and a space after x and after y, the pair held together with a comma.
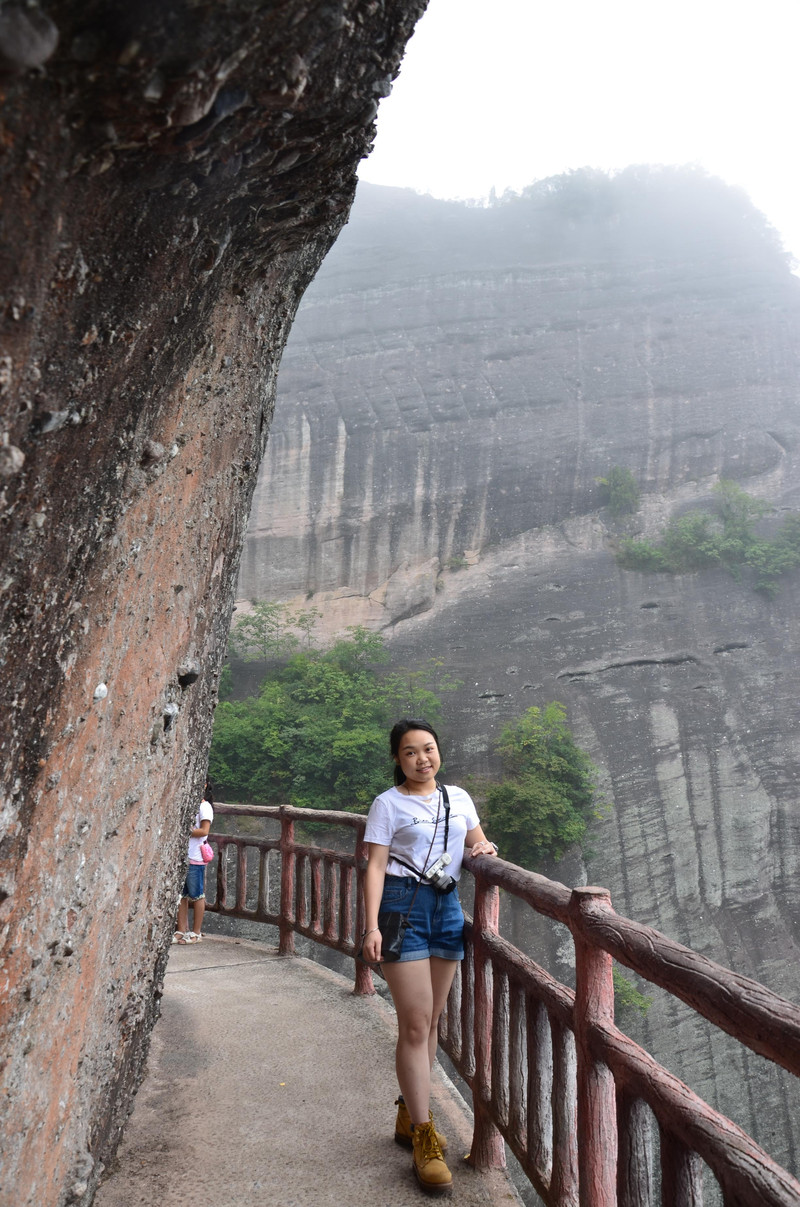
x: 436, y: 922
x: 194, y: 886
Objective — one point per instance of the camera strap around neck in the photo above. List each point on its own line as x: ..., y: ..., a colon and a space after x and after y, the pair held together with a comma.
x: 446, y: 800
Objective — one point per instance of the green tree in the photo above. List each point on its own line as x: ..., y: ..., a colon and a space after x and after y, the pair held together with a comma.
x: 225, y: 682
x: 316, y: 735
x: 622, y: 490
x: 738, y: 514
x: 725, y: 537
x: 544, y: 802
x: 262, y: 634
x: 416, y: 693
x: 250, y: 746
x: 691, y: 542
x: 771, y: 559
x: 306, y: 622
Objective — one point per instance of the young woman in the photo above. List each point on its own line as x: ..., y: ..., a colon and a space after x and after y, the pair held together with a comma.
x: 409, y: 827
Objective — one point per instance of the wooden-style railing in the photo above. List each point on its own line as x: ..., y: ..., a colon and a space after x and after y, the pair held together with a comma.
x: 549, y: 1071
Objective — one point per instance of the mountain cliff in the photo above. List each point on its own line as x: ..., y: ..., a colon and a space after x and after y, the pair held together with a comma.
x: 456, y: 382
x: 171, y: 175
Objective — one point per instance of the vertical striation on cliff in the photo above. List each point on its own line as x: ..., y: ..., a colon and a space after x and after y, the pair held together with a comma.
x: 172, y: 175
x: 458, y: 376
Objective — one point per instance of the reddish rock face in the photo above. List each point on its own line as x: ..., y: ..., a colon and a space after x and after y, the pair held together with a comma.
x: 171, y: 176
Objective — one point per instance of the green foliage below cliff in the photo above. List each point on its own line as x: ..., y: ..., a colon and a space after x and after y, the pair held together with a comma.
x: 316, y: 735
x: 725, y: 537
x: 547, y: 795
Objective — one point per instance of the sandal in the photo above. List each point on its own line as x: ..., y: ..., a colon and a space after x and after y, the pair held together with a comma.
x: 177, y: 937
x: 190, y: 937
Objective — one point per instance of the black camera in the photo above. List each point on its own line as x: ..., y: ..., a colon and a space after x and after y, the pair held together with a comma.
x: 436, y: 876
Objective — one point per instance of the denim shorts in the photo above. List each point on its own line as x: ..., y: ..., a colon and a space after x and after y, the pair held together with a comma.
x: 194, y: 886
x: 436, y: 923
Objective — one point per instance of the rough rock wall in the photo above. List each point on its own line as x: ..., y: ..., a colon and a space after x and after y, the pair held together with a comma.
x: 172, y: 174
x: 456, y: 381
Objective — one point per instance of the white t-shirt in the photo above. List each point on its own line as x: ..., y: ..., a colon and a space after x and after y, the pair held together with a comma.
x: 405, y: 824
x: 204, y: 813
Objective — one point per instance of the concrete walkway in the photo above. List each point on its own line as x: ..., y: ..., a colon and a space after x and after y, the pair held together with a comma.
x: 269, y: 1083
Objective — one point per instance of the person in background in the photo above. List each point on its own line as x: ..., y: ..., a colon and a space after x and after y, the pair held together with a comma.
x: 409, y: 828
x: 194, y: 887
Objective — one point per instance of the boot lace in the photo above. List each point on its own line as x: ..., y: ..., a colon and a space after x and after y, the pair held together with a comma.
x: 429, y: 1149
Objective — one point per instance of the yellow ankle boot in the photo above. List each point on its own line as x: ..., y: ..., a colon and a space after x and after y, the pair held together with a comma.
x: 429, y: 1167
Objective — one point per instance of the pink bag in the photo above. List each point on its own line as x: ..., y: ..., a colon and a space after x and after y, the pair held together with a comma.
x: 207, y: 851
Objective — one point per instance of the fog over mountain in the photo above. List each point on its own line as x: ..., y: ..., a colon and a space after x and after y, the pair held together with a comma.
x: 456, y: 382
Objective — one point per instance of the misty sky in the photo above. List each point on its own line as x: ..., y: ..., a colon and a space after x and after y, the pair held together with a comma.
x: 500, y: 93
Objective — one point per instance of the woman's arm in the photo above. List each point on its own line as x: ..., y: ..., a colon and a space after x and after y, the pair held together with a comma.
x: 200, y: 831
x: 477, y: 843
x: 377, y: 859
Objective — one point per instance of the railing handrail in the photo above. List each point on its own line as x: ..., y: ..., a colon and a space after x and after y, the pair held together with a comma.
x: 333, y: 817
x: 597, y: 1098
x: 753, y: 1014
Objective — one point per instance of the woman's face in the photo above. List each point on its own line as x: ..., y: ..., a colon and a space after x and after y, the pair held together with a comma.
x: 418, y: 756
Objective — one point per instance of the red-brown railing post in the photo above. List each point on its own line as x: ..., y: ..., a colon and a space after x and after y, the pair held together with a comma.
x: 597, y: 1111
x: 286, y: 941
x: 364, y: 986
x: 488, y: 1149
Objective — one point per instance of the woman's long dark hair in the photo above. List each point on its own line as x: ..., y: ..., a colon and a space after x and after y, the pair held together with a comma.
x: 399, y: 731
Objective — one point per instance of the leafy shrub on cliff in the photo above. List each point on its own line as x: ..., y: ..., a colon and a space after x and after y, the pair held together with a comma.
x: 771, y: 559
x: 316, y: 735
x: 622, y: 490
x: 457, y: 562
x: 627, y: 998
x: 547, y: 795
x: 726, y: 537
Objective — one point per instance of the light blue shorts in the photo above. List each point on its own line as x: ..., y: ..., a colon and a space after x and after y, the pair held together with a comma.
x: 436, y: 923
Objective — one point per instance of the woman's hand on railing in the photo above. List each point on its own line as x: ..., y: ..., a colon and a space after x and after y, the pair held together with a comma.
x: 484, y: 847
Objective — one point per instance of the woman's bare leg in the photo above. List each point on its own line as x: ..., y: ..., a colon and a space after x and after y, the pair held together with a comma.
x: 442, y: 973
x: 412, y: 993
x: 419, y: 991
